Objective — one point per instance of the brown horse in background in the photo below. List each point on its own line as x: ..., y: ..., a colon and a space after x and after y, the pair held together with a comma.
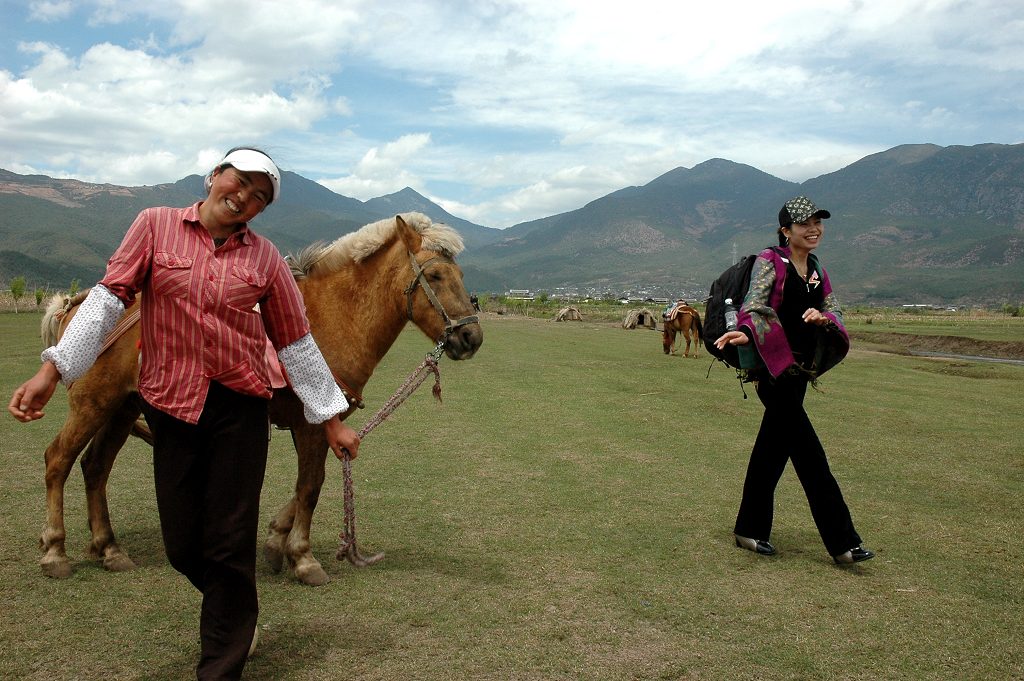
x: 359, y: 293
x: 687, y: 322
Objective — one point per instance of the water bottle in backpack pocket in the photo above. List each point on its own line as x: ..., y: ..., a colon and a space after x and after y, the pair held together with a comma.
x: 722, y: 309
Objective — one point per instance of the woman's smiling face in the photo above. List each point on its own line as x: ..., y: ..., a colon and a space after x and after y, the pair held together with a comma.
x: 238, y: 196
x: 805, y: 235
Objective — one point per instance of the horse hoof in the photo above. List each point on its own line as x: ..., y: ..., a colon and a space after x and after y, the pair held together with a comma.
x: 273, y: 556
x: 118, y: 562
x: 57, y: 569
x: 312, y: 575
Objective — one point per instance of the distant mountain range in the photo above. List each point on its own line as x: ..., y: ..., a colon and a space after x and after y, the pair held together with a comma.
x: 914, y: 224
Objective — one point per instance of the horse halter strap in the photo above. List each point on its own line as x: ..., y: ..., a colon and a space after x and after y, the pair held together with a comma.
x: 418, y: 278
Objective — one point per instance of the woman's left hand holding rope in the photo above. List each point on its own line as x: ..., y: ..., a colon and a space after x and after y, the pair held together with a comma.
x: 341, y: 438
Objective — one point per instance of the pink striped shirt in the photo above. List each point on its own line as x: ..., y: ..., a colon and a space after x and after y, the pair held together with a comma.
x: 198, y: 322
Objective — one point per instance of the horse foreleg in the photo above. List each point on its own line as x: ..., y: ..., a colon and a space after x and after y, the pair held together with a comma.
x: 54, y: 562
x: 285, y: 411
x: 274, y: 547
x: 60, y: 457
x: 311, y: 447
x: 280, y: 526
x: 96, y: 465
x: 288, y: 540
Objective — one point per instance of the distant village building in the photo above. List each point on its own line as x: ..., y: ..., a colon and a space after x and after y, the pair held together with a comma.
x: 519, y: 294
x: 926, y: 306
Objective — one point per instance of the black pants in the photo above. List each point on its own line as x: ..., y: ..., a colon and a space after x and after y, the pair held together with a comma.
x: 208, y: 479
x: 786, y: 433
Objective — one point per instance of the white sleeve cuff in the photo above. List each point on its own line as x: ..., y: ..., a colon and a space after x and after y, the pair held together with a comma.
x: 312, y: 381
x: 82, y: 341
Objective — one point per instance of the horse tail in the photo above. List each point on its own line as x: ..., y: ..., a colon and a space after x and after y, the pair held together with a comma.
x: 56, y: 314
x: 700, y: 327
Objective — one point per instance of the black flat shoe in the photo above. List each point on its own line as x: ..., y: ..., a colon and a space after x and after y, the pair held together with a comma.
x: 855, y: 555
x: 756, y: 545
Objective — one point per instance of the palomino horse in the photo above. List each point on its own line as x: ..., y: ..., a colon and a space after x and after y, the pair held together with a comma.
x: 686, y: 321
x: 359, y: 292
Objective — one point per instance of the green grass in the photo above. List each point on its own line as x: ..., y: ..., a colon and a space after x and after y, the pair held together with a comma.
x: 976, y: 324
x: 566, y: 513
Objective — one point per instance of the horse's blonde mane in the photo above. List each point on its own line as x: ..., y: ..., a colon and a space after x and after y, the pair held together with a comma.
x: 356, y: 246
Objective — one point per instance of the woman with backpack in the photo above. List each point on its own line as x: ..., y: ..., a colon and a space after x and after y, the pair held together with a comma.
x: 792, y: 319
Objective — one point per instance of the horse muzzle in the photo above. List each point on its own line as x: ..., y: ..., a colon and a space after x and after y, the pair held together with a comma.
x: 464, y: 341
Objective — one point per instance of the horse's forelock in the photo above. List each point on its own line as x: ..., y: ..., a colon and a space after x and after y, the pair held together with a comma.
x: 358, y: 245
x: 439, y: 237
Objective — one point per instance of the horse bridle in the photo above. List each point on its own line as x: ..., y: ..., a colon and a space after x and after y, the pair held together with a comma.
x: 419, y: 278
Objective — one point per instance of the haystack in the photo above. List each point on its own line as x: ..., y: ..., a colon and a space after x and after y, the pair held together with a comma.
x: 640, y: 317
x: 569, y: 314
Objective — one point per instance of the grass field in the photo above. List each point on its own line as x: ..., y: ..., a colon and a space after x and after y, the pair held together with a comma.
x: 566, y: 513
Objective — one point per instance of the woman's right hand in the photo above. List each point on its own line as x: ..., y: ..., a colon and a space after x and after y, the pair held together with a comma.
x: 732, y: 338
x: 341, y: 438
x: 28, y: 400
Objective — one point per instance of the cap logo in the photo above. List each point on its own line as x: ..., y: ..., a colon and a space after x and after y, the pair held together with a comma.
x: 802, y: 209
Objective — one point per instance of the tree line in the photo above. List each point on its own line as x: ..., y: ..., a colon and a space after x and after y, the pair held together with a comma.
x: 18, y: 287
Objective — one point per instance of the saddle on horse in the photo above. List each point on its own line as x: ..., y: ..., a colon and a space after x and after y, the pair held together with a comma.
x: 678, y: 309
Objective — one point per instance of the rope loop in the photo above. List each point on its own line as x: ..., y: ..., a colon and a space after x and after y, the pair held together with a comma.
x: 347, y: 550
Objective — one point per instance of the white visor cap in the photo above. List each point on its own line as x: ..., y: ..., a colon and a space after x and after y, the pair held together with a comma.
x: 252, y: 161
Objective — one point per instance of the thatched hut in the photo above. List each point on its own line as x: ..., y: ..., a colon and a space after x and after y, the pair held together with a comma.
x: 569, y: 314
x: 640, y: 317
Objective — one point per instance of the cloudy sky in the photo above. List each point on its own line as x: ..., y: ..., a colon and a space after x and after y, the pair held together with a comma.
x: 500, y: 111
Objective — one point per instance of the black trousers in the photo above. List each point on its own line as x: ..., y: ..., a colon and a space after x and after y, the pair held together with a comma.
x: 208, y: 480
x: 786, y: 433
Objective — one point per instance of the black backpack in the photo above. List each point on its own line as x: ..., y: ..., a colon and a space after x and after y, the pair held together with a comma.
x: 732, y: 283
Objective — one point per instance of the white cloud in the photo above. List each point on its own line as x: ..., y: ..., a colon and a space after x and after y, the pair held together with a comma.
x: 510, y: 111
x: 392, y: 155
x: 159, y: 106
x: 47, y: 11
x: 382, y: 170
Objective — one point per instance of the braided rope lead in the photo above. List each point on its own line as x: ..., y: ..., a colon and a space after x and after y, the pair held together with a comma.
x: 347, y: 550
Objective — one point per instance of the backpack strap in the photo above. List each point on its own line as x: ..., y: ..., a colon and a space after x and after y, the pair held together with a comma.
x: 781, y: 257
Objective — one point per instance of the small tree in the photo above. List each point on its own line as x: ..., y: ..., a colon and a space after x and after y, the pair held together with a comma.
x: 17, y: 290
x: 39, y: 296
x: 74, y: 287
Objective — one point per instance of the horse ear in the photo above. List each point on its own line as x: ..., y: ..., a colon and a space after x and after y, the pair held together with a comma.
x: 413, y: 240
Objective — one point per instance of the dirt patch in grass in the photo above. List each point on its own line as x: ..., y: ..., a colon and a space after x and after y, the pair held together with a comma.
x: 980, y: 370
x: 907, y: 343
